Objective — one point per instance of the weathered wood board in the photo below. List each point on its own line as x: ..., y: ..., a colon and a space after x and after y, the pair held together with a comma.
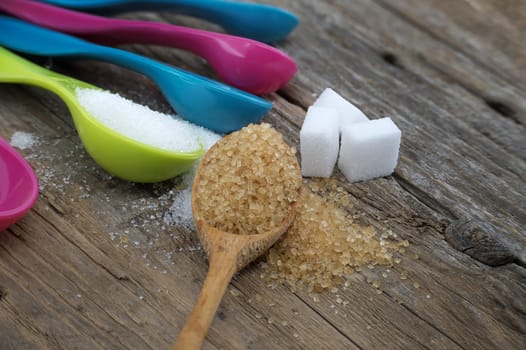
x: 94, y: 265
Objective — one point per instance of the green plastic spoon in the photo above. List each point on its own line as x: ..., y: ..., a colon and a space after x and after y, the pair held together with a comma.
x: 118, y: 154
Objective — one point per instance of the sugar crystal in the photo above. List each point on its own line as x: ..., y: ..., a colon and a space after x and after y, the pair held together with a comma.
x: 139, y: 122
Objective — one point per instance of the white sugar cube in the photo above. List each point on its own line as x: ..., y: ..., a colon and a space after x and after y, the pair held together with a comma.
x: 348, y: 112
x: 369, y: 149
x: 319, y: 141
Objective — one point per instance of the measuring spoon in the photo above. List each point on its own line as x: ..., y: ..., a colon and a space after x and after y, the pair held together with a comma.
x: 119, y: 155
x: 197, y: 99
x: 227, y: 252
x: 256, y: 21
x: 18, y: 185
x: 246, y: 64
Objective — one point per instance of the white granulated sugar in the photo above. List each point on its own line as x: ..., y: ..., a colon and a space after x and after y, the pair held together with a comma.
x: 207, y: 137
x: 369, y: 149
x: 349, y: 113
x: 319, y: 141
x: 180, y: 212
x: 139, y: 122
x: 23, y: 140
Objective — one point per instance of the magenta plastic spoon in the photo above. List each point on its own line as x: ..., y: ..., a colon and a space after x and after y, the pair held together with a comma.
x: 18, y: 185
x: 244, y: 63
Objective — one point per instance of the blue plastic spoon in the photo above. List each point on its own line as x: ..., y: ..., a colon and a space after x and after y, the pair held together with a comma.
x: 195, y: 98
x: 256, y: 21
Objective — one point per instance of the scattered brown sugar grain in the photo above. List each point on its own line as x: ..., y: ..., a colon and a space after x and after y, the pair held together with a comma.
x: 249, y: 180
x: 324, y: 245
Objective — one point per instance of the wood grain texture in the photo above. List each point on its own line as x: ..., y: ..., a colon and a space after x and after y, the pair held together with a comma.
x: 94, y: 265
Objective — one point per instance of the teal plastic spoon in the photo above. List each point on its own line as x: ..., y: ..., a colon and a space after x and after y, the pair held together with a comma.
x: 116, y: 153
x: 195, y: 98
x: 256, y: 21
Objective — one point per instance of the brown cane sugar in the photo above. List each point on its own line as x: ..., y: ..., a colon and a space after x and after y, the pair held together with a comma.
x: 257, y: 176
x: 324, y: 245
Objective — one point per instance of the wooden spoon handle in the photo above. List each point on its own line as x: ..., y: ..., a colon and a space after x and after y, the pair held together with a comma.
x: 220, y: 272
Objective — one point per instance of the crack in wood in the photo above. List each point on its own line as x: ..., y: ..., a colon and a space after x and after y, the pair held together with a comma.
x: 423, y: 197
x: 289, y: 97
x: 406, y: 307
x: 329, y: 322
x: 56, y: 208
x: 497, y: 299
x: 391, y: 59
x: 502, y: 108
x: 120, y: 276
x: 402, y: 330
x: 481, y: 241
x: 16, y: 234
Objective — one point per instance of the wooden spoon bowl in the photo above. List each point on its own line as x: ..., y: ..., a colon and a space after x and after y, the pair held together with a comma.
x: 227, y: 254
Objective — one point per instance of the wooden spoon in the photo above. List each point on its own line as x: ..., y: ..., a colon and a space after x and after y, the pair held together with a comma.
x: 227, y: 253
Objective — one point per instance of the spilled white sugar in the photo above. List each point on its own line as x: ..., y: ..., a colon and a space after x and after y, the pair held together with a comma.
x: 23, y: 140
x: 139, y: 122
x: 180, y: 212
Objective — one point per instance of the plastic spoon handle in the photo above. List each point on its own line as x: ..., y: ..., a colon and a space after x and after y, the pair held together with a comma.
x: 246, y: 64
x: 256, y: 21
x: 196, y: 98
x: 35, y: 40
x: 16, y: 70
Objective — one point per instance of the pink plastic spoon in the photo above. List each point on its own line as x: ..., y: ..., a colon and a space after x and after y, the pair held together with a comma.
x: 244, y: 63
x: 18, y: 185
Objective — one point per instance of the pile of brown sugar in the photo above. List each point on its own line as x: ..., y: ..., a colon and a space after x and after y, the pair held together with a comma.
x: 257, y: 176
x: 324, y: 245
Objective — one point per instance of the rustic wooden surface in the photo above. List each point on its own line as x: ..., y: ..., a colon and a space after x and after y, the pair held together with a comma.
x: 94, y: 265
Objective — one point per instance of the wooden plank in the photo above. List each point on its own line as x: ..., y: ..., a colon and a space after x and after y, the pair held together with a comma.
x: 475, y: 28
x: 95, y: 266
